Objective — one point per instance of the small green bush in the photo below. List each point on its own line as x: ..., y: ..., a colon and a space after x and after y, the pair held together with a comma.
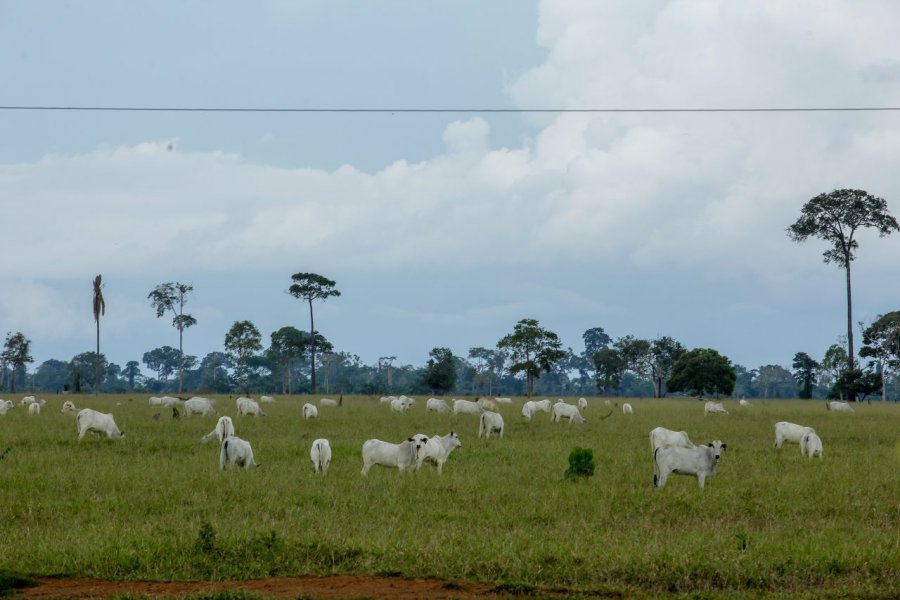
x: 581, y: 463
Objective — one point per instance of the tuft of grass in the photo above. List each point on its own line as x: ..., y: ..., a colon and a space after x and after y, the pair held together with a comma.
x: 10, y: 582
x: 581, y: 463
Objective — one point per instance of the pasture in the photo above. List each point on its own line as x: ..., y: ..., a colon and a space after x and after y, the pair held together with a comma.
x: 156, y: 506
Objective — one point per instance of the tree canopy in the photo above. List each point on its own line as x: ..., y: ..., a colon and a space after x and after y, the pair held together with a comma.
x: 309, y: 287
x: 440, y: 371
x: 702, y: 371
x: 532, y: 350
x: 173, y: 297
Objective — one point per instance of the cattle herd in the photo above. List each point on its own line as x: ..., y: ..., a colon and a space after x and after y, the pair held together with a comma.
x: 672, y: 451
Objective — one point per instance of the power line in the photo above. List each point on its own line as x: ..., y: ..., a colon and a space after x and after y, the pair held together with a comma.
x: 218, y: 109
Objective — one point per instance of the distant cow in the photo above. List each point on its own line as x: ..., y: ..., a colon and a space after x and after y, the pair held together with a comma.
x: 570, y: 411
x: 627, y: 410
x: 489, y: 424
x: 699, y: 462
x: 811, y: 445
x: 97, y: 422
x: 155, y: 401
x: 466, y: 407
x: 198, y: 406
x: 34, y: 409
x: 437, y: 449
x: 503, y: 400
x: 660, y: 437
x: 248, y: 407
x: 533, y: 406
x: 224, y: 428
x: 320, y: 455
x: 328, y: 402
x: 789, y: 432
x: 836, y: 406
x: 169, y: 401
x: 403, y: 456
x: 582, y: 403
x: 68, y: 408
x: 437, y: 405
x: 266, y: 399
x: 714, y: 408
x: 310, y: 411
x: 488, y: 403
x: 6, y: 405
x: 236, y: 452
x: 401, y: 404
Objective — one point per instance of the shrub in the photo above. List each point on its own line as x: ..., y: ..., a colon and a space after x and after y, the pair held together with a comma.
x: 581, y: 463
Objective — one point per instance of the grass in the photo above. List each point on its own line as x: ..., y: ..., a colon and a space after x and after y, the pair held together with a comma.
x: 156, y: 506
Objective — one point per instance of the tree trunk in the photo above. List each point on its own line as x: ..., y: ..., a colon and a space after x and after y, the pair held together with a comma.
x: 181, y: 363
x: 850, y: 363
x: 312, y: 348
x: 97, y: 362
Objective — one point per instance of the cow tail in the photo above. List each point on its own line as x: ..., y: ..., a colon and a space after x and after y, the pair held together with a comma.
x: 223, y: 453
x: 655, y: 467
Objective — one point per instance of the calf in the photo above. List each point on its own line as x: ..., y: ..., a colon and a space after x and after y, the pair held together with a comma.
x: 320, y: 455
x: 90, y: 420
x: 811, y: 445
x: 403, y: 456
x: 310, y: 411
x: 789, y: 432
x: 489, y: 424
x: 699, y: 462
x: 660, y: 437
x: 561, y: 409
x: 224, y: 428
x: 236, y: 452
x: 714, y: 408
x: 437, y: 449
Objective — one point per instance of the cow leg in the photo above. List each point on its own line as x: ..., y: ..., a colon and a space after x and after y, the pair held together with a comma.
x: 660, y: 480
x: 701, y: 479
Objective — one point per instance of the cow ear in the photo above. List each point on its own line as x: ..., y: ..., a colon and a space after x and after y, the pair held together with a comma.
x: 710, y: 445
x: 724, y: 446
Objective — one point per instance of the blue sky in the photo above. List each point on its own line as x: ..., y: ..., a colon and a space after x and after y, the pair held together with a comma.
x: 443, y: 229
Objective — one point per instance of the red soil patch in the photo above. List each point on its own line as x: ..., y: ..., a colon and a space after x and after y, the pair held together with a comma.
x: 281, y: 587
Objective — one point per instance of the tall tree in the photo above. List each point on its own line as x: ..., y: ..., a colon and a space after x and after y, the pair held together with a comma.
x: 532, y: 350
x: 173, y: 296
x: 288, y: 344
x: 835, y: 218
x: 774, y: 381
x: 99, y: 309
x: 664, y: 352
x: 242, y: 341
x: 636, y: 354
x: 881, y: 342
x: 832, y: 365
x: 162, y: 361
x: 595, y: 339
x: 309, y: 287
x: 82, y: 368
x: 702, y: 371
x: 16, y: 353
x: 440, y: 371
x: 482, y: 368
x: 131, y: 372
x: 609, y: 367
x: 805, y: 371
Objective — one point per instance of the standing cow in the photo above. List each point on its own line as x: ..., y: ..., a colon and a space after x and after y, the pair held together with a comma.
x: 699, y: 462
x: 320, y: 455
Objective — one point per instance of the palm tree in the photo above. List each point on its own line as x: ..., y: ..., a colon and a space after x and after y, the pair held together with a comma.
x: 99, y: 309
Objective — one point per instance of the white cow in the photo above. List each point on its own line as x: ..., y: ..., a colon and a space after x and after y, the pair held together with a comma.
x: 320, y: 455
x: 310, y: 411
x: 224, y: 428
x: 248, y: 407
x: 607, y: 402
x: 5, y: 405
x: 570, y: 411
x: 199, y: 406
x: 403, y: 456
x: 401, y: 404
x: 489, y: 424
x: 68, y: 408
x: 627, y: 409
x: 437, y: 449
x: 743, y: 402
x: 155, y: 401
x: 236, y: 452
x: 699, y: 462
x: 836, y: 406
x: 170, y: 401
x: 328, y: 402
x: 488, y: 403
x: 34, y: 409
x: 582, y: 403
x: 660, y: 437
x: 26, y: 400
x: 789, y: 432
x: 266, y: 399
x: 714, y: 408
x: 504, y: 400
x: 387, y: 399
x: 466, y: 407
x: 90, y: 420
x: 437, y: 405
x: 533, y: 406
x: 811, y: 445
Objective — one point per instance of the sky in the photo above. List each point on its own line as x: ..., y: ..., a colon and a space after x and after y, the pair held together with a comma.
x: 443, y: 229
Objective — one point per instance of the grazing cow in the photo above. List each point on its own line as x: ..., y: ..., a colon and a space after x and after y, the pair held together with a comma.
x: 714, y: 408
x: 68, y: 408
x: 266, y: 399
x: 248, y: 407
x: 570, y: 411
x: 743, y: 402
x: 699, y: 462
x: 789, y: 432
x: 607, y: 402
x: 403, y: 456
x: 26, y: 400
x: 437, y: 449
x: 34, y: 409
x: 503, y: 400
x: 168, y: 401
x: 320, y: 455
x: 627, y: 409
x: 489, y: 424
x: 582, y: 403
x: 488, y: 404
x: 842, y: 407
x: 5, y: 405
x: 466, y: 407
x: 236, y: 452
x: 401, y: 404
x: 660, y: 437
x: 437, y: 405
x: 533, y: 406
x: 327, y: 402
x: 811, y: 445
x: 97, y: 422
x: 199, y: 406
x: 387, y: 399
x: 155, y: 401
x: 310, y: 411
x: 224, y: 428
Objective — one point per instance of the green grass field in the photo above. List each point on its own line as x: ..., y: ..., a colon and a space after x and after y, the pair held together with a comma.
x: 156, y: 506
